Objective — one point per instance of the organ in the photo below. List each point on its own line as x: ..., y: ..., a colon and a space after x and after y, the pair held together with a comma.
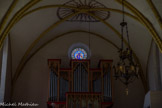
x: 80, y: 86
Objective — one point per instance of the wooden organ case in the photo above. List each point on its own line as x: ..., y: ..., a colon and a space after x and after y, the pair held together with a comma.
x: 80, y: 86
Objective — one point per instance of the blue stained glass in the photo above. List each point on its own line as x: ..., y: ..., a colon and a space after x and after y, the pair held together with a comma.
x: 79, y: 54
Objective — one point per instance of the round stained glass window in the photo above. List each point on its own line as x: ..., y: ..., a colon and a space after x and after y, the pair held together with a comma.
x: 79, y: 53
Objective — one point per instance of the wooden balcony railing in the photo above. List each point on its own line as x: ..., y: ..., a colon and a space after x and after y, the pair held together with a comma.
x: 83, y: 100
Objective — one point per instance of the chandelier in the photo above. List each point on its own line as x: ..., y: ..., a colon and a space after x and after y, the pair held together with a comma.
x: 126, y: 69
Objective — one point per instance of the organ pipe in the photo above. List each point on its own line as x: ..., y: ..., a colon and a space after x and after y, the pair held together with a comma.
x: 78, y: 78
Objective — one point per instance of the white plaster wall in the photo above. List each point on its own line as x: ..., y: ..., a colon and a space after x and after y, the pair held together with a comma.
x: 156, y: 99
x: 160, y: 59
x: 154, y: 65
x: 8, y: 85
x: 31, y: 26
x: 32, y: 85
x: 4, y: 70
x: 0, y: 62
x: 153, y: 99
x: 151, y: 69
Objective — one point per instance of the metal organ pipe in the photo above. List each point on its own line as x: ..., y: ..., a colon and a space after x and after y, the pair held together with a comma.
x: 84, y: 83
x: 75, y: 75
x: 50, y: 84
x: 77, y: 79
x: 53, y: 87
x: 74, y: 79
x: 80, y: 77
x: 110, y: 84
x: 107, y: 84
x: 104, y: 85
x: 81, y: 80
x: 53, y: 84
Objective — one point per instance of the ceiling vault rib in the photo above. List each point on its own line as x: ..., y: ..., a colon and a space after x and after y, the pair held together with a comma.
x: 54, y: 6
x: 42, y: 34
x: 93, y: 9
x: 37, y: 40
x: 155, y: 11
x: 18, y: 71
x: 20, y: 14
x: 62, y: 35
x: 148, y: 61
x: 14, y: 18
x: 141, y: 18
x: 148, y: 24
x: 7, y: 14
x: 44, y: 7
x: 126, y: 43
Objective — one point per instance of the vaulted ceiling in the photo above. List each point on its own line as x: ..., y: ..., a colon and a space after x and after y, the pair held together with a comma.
x: 31, y: 23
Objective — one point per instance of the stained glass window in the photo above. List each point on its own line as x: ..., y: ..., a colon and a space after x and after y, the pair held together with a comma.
x: 79, y: 53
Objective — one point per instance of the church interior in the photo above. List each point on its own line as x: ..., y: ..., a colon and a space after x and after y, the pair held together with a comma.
x: 81, y: 53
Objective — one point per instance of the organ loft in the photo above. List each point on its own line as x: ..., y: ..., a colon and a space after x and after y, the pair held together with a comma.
x: 80, y: 86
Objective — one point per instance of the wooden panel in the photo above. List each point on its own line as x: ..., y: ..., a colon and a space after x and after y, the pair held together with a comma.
x: 93, y: 74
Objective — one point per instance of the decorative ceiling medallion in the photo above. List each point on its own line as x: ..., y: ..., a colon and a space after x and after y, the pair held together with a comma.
x: 83, y: 17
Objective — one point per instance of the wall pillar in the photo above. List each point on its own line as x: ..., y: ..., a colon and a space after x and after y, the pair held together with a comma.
x: 154, y: 68
x: 3, y: 70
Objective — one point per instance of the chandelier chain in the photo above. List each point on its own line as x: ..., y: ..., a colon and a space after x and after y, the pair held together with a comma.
x: 123, y: 10
x: 127, y: 36
x: 126, y: 69
x: 122, y: 39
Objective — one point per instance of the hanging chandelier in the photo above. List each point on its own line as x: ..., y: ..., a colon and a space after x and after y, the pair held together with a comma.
x: 126, y: 69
